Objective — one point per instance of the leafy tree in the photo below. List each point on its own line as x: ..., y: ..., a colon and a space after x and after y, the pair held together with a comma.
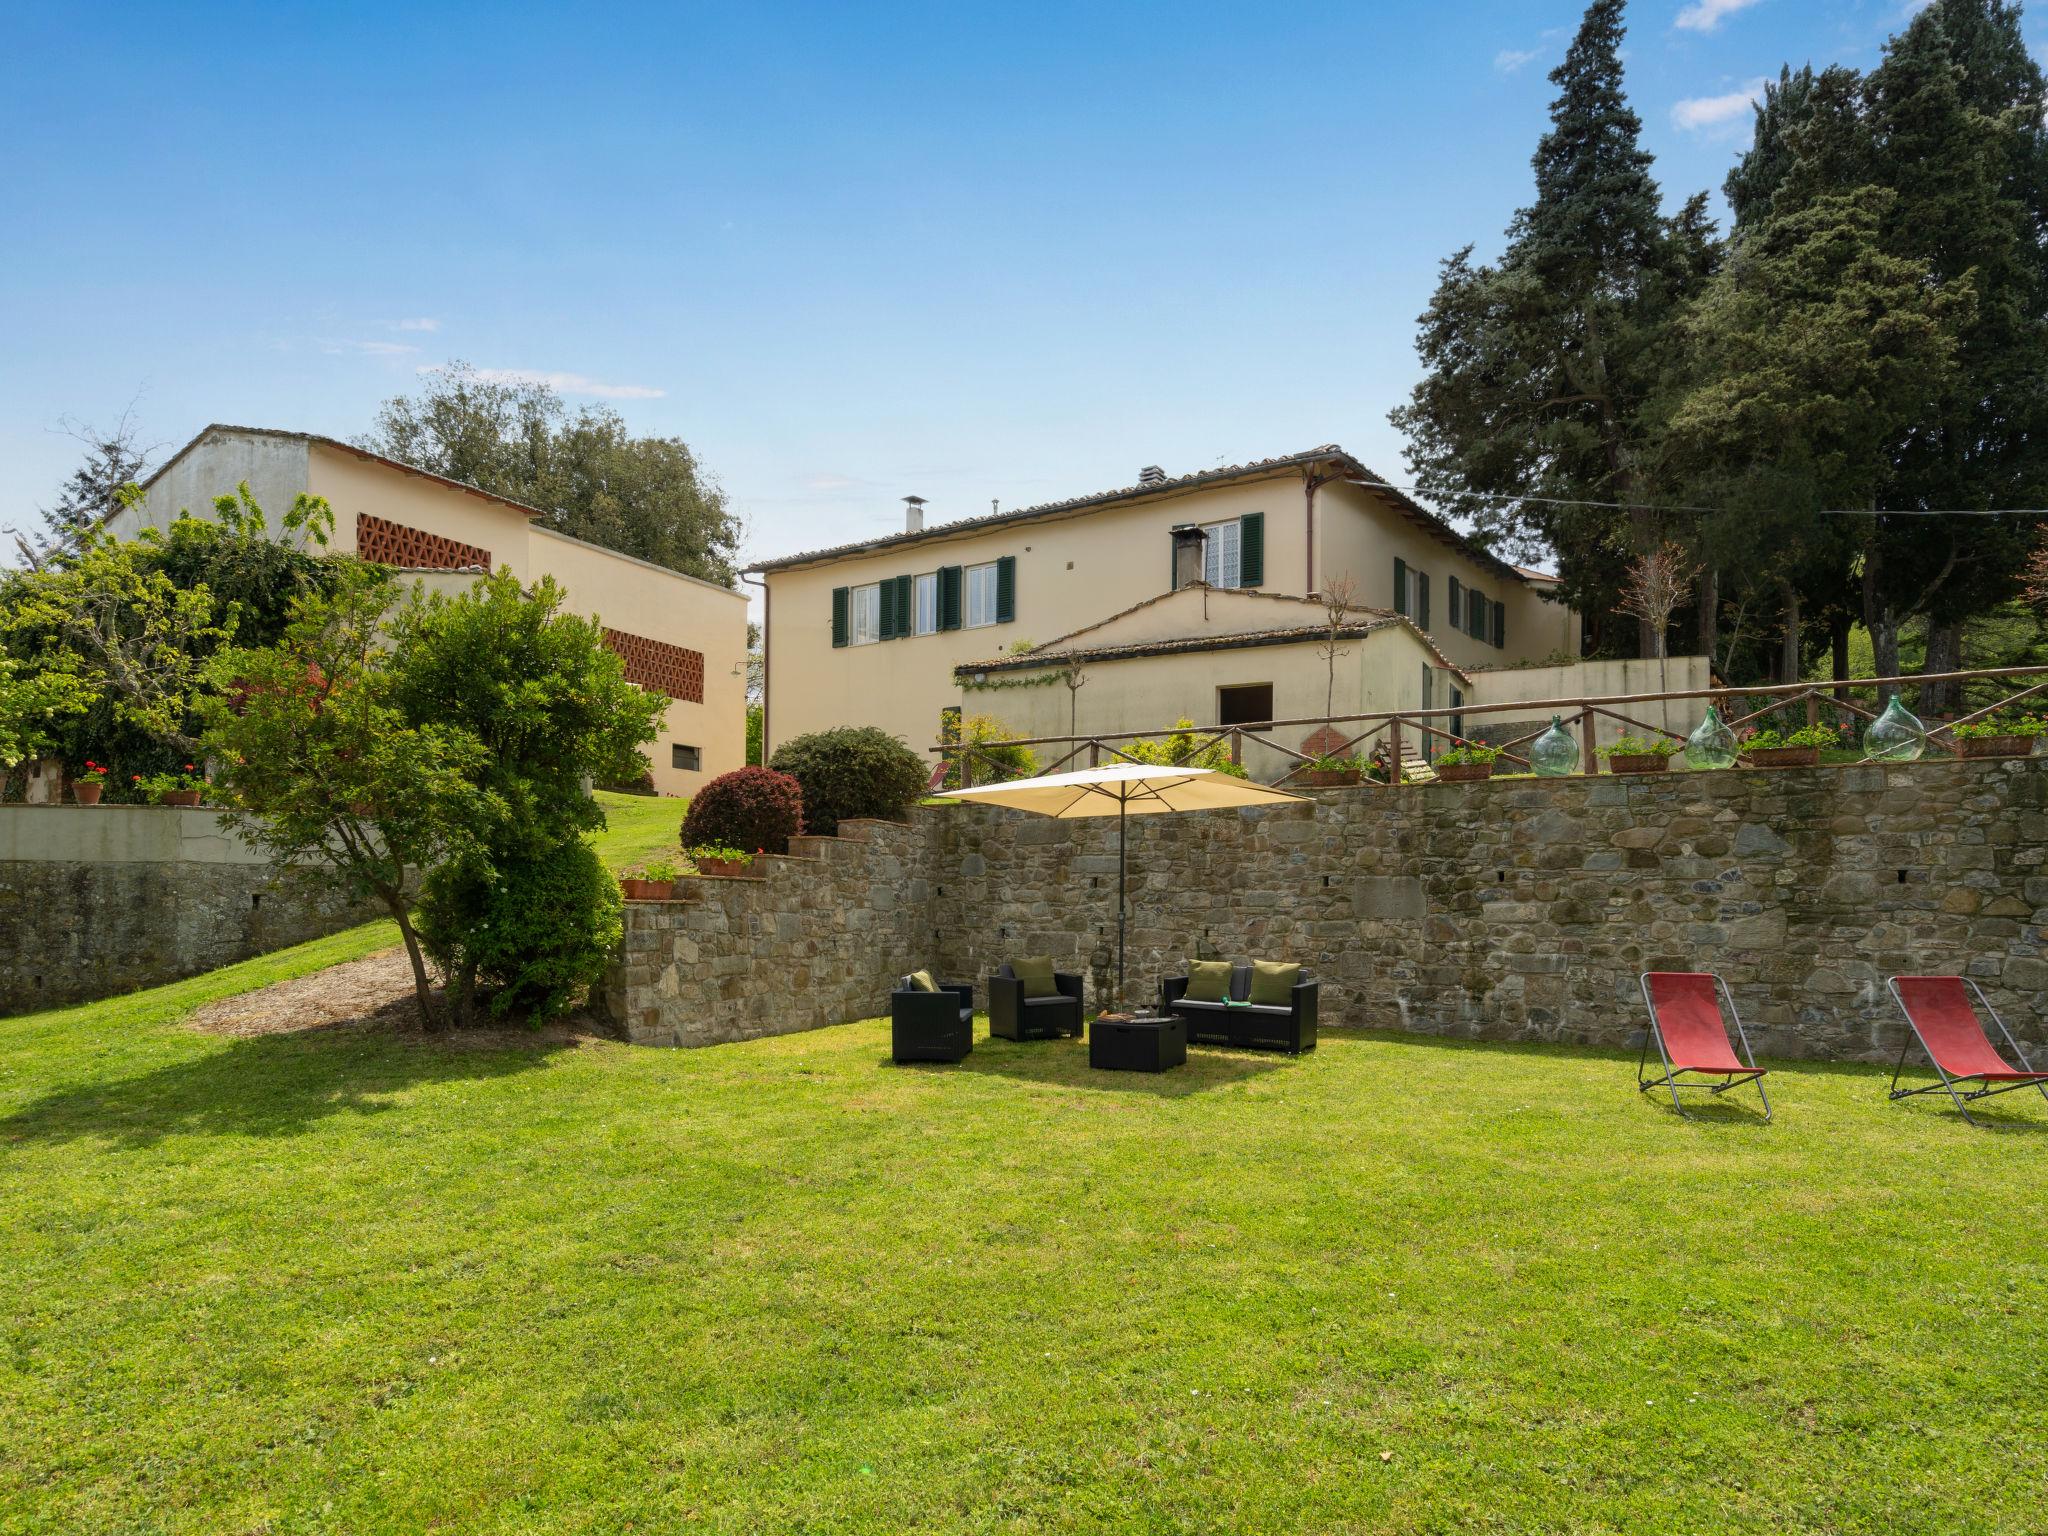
x: 322, y: 768
x: 1546, y: 371
x: 854, y: 771
x: 752, y: 809
x: 591, y: 478
x: 32, y: 703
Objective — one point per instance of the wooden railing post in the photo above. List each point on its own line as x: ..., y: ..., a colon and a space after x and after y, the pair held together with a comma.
x: 1236, y: 748
x: 1393, y: 752
x: 1589, y: 737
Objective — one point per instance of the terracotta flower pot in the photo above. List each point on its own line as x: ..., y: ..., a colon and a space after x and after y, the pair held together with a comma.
x: 1783, y: 757
x: 1463, y: 773
x: 181, y: 797
x: 647, y: 890
x: 87, y: 794
x: 1639, y: 762
x: 720, y: 867
x: 1998, y: 746
x: 1327, y: 778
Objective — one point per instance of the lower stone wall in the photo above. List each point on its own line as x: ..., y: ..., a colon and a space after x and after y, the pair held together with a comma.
x: 1526, y: 909
x: 815, y: 938
x: 102, y: 900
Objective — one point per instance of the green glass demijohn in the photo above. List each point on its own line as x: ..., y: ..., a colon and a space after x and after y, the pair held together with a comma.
x: 1554, y: 753
x: 1896, y: 736
x: 1711, y: 744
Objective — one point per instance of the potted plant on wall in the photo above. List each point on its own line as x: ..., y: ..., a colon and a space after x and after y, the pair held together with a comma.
x: 2008, y: 733
x: 655, y: 881
x: 1467, y: 761
x: 184, y: 788
x: 87, y: 787
x: 1328, y: 772
x: 1638, y: 754
x: 1770, y: 748
x: 719, y: 859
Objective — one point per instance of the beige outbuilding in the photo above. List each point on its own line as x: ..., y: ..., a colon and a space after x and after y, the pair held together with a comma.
x: 679, y: 636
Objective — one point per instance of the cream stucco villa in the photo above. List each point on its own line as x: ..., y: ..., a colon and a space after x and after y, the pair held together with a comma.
x: 681, y: 637
x: 1180, y: 596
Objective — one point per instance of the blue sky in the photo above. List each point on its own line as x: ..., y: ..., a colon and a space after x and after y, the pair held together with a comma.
x: 849, y: 252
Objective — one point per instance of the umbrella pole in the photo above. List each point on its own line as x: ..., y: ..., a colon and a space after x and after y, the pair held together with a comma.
x: 1120, y: 811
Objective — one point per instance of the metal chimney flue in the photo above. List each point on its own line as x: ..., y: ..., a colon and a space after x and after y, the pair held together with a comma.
x: 913, y: 514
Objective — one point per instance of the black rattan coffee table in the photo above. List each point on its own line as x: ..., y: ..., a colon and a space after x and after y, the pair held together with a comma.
x: 1123, y: 1042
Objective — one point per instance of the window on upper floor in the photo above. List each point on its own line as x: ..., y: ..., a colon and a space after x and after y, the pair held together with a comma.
x: 981, y: 595
x: 1221, y: 563
x: 864, y: 615
x: 925, y: 604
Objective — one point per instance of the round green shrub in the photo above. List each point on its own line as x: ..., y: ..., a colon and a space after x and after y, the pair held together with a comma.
x: 536, y: 929
x: 855, y: 771
x: 752, y: 809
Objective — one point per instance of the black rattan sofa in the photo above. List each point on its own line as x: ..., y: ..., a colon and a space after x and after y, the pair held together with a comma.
x: 931, y: 1026
x: 1014, y: 1016
x: 1253, y: 1025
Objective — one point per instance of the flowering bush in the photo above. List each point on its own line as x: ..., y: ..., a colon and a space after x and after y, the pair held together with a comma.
x: 719, y: 853
x: 95, y: 773
x: 1639, y: 746
x: 1770, y: 740
x: 747, y: 808
x: 157, y: 785
x: 2005, y: 723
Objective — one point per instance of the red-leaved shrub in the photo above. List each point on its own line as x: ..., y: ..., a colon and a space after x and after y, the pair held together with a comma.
x: 748, y: 809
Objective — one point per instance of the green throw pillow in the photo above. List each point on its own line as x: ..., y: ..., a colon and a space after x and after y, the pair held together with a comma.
x: 922, y: 981
x: 1208, y: 981
x: 1273, y: 983
x: 1035, y: 971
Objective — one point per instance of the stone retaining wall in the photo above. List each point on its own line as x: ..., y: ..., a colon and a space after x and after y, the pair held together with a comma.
x: 101, y: 900
x: 1511, y: 910
x: 816, y: 938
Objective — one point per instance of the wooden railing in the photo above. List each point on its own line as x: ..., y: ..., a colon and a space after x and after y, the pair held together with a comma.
x: 1385, y: 733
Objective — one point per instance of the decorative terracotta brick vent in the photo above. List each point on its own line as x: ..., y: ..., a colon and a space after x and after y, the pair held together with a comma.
x: 389, y: 543
x: 659, y: 666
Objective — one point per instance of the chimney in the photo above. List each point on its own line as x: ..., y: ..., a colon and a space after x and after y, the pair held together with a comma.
x: 1190, y: 549
x: 913, y: 514
x: 1151, y: 474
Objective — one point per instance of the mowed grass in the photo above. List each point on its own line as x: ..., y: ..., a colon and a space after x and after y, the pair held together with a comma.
x: 363, y: 1282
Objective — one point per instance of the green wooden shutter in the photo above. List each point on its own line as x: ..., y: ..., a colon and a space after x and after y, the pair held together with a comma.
x: 839, y: 615
x: 1455, y: 617
x: 885, y: 595
x: 906, y: 606
x: 949, y: 597
x: 1251, y: 550
x: 1006, y: 589
x: 1422, y: 599
x: 1400, y: 585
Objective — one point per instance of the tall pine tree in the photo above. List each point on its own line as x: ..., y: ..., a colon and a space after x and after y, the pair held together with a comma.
x: 1547, y: 371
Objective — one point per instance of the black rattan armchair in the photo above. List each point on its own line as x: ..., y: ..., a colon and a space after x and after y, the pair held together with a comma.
x: 931, y: 1026
x: 1255, y: 1026
x: 1014, y: 1016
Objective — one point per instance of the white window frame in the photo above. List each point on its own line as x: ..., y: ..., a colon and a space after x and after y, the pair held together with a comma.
x: 1221, y: 568
x: 978, y: 595
x: 864, y: 614
x: 924, y: 603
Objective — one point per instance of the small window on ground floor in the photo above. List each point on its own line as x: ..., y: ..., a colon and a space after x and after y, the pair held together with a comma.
x: 690, y: 758
x: 1244, y: 704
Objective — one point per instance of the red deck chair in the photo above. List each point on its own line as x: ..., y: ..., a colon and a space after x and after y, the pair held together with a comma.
x: 1692, y: 1037
x: 1942, y: 1020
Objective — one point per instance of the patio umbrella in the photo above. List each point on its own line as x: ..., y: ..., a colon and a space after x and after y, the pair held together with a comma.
x: 1123, y: 790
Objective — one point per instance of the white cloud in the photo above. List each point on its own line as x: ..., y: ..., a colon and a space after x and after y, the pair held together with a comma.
x: 367, y: 348
x: 829, y: 482
x: 565, y: 383
x: 1717, y: 114
x: 1508, y: 60
x: 424, y: 323
x: 1707, y: 15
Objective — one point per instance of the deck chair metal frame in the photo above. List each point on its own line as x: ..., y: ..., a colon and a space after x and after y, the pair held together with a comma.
x: 1988, y: 1088
x: 1671, y: 1079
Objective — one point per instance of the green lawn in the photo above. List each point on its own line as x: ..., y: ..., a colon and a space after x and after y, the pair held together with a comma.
x: 639, y: 828
x: 358, y: 1282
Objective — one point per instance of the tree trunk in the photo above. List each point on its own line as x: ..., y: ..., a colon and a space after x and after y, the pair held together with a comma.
x: 1709, y: 598
x: 1792, y: 655
x: 1944, y: 654
x: 1838, y: 651
x: 1878, y: 619
x: 423, y: 988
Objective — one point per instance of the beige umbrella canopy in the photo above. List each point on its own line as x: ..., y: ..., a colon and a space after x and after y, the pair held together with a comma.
x: 1121, y: 790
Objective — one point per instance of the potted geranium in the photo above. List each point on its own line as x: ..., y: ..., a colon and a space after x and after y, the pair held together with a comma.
x: 1330, y: 772
x: 1770, y: 748
x: 1467, y: 761
x: 655, y: 881
x: 2008, y: 733
x: 87, y: 787
x: 1639, y: 754
x: 183, y: 788
x: 719, y: 859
